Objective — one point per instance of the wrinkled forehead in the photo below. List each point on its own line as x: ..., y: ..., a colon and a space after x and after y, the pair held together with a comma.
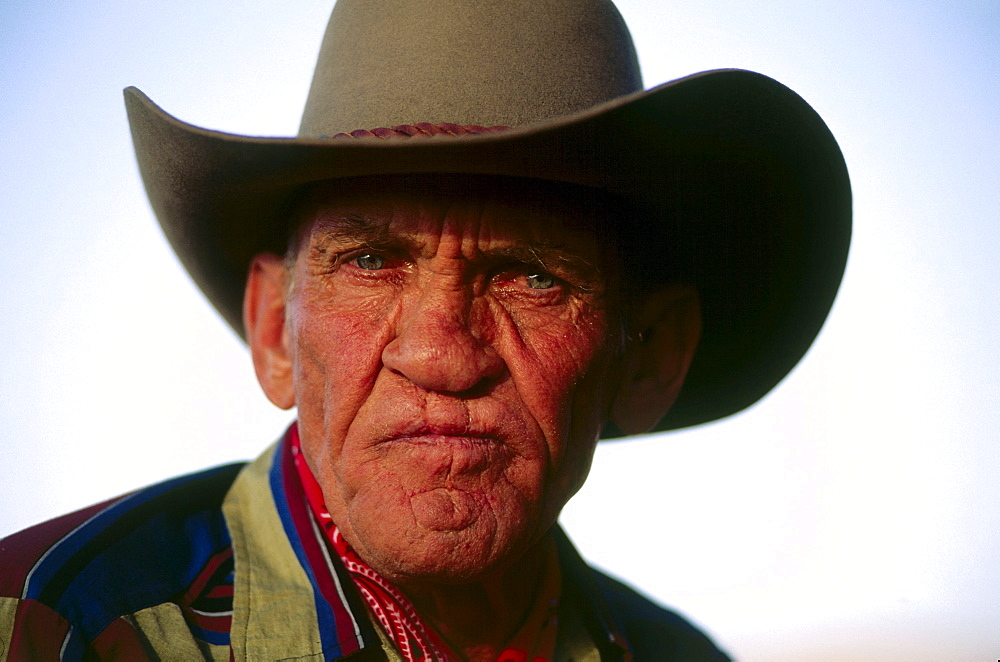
x: 485, y: 210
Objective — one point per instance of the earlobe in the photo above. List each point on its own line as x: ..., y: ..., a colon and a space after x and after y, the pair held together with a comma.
x: 264, y: 305
x: 665, y: 331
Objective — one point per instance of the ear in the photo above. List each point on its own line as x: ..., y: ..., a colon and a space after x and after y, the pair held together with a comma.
x: 665, y: 332
x: 264, y: 321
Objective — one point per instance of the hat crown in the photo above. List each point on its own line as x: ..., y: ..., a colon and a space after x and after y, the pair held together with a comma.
x: 512, y: 62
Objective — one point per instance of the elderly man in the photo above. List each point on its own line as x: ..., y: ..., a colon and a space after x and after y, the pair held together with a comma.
x: 535, y: 255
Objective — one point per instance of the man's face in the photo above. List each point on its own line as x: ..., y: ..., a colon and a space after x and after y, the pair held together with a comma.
x: 453, y: 358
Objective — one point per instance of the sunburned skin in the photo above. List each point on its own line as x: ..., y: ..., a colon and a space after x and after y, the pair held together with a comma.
x: 454, y: 351
x: 450, y: 362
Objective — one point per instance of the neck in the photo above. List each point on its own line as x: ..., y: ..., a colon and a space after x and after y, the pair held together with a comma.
x: 478, y: 619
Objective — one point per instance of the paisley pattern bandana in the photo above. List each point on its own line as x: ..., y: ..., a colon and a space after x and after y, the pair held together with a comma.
x: 535, y: 641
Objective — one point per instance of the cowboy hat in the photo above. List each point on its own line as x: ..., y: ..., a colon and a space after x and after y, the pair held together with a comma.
x: 729, y: 169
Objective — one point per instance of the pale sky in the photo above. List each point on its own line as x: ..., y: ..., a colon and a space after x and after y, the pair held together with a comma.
x: 852, y: 514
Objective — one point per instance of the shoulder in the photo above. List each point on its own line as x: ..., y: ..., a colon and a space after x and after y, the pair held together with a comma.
x: 654, y: 631
x: 651, y: 631
x: 86, y: 569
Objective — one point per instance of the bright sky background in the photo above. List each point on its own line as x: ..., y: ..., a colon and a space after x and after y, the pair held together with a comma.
x: 853, y: 514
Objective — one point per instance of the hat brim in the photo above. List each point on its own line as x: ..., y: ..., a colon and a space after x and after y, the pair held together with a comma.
x: 749, y: 177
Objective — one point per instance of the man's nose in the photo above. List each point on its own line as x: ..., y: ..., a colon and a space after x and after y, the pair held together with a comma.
x: 438, y: 345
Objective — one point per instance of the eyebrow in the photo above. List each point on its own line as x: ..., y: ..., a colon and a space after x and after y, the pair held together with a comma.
x: 356, y: 230
x: 363, y: 230
x: 350, y: 227
x: 552, y: 257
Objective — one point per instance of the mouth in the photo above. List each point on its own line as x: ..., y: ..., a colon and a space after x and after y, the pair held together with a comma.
x: 446, y: 434
x: 447, y: 452
x: 431, y: 439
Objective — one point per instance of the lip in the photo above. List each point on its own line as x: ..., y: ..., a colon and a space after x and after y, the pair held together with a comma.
x: 446, y: 457
x: 443, y: 433
x: 444, y: 440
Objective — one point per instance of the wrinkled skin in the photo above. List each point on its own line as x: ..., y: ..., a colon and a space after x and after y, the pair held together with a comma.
x: 450, y: 384
x: 454, y: 347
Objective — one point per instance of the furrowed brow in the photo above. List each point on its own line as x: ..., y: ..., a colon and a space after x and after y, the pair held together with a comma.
x: 354, y: 230
x: 348, y: 227
x: 333, y: 235
x: 551, y: 257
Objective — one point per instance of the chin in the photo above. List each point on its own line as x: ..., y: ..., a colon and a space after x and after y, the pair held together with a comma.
x: 415, y: 554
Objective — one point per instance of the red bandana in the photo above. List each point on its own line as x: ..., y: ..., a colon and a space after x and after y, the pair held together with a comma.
x: 417, y: 642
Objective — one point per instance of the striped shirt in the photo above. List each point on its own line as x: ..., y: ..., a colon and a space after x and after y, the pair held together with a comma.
x: 229, y: 564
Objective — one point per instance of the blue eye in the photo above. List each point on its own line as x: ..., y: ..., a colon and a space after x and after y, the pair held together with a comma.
x: 369, y: 262
x: 541, y: 281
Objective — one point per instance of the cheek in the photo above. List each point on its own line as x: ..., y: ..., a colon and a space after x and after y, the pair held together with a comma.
x: 560, y: 364
x: 561, y: 368
x: 337, y: 360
